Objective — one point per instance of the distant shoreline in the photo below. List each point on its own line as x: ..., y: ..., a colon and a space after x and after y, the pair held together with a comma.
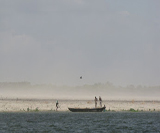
x: 38, y: 105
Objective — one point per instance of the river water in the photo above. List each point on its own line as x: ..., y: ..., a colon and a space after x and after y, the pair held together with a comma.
x: 68, y: 122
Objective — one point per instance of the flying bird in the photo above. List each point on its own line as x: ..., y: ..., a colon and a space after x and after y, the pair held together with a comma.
x: 81, y: 77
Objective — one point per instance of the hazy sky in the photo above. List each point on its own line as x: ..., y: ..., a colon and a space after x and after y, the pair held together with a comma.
x: 57, y: 41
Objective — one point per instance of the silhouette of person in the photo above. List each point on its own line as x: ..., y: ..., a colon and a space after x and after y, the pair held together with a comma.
x: 57, y: 105
x: 95, y: 102
x: 100, y: 101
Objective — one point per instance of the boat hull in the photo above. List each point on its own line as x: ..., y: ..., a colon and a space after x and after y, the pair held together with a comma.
x: 87, y: 109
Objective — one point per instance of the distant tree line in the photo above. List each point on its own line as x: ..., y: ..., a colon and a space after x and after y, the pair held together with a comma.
x: 96, y: 86
x: 14, y: 84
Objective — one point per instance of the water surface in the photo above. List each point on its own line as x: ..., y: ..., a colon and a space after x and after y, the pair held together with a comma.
x: 111, y: 122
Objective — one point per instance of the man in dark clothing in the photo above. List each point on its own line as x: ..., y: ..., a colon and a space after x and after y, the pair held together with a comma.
x: 57, y: 105
x: 95, y: 102
x: 100, y: 101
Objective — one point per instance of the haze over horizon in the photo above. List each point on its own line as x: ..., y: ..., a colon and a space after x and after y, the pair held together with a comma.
x: 58, y: 41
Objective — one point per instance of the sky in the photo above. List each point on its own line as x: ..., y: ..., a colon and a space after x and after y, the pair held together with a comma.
x: 57, y: 41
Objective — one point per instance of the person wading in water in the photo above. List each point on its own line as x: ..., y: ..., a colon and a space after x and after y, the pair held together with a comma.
x: 57, y: 105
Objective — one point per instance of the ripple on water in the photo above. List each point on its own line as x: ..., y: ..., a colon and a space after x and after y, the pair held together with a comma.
x: 79, y: 122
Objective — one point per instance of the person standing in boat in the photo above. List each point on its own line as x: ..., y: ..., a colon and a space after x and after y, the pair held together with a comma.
x: 100, y: 101
x: 57, y: 105
x: 95, y: 102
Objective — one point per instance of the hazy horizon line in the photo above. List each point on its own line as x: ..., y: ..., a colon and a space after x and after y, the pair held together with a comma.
x: 61, y: 85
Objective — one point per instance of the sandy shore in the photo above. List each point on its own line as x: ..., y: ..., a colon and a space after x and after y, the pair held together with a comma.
x: 16, y: 105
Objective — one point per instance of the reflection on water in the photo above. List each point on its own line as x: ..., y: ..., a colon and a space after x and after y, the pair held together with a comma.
x: 79, y: 122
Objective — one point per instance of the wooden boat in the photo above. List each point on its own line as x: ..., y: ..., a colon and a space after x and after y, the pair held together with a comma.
x: 87, y: 109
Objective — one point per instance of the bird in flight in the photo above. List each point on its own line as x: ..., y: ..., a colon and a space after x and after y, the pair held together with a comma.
x: 81, y: 77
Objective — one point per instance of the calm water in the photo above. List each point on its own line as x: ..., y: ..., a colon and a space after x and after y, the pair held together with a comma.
x: 111, y: 122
